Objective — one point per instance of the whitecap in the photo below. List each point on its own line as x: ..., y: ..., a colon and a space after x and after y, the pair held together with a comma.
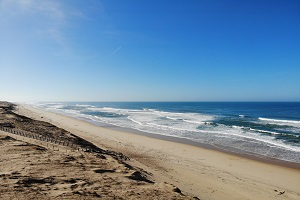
x: 279, y: 120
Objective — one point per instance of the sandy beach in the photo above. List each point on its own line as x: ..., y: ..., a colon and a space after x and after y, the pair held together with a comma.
x: 200, y: 172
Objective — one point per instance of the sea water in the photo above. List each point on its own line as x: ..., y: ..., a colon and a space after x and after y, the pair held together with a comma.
x: 268, y: 129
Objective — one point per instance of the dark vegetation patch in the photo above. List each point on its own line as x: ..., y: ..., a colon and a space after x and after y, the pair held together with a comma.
x: 139, y: 177
x: 101, y: 171
x: 28, y: 181
x: 7, y: 138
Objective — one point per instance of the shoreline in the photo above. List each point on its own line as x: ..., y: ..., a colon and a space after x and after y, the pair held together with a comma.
x: 239, y: 153
x: 255, y: 157
x: 206, y: 173
x: 226, y: 150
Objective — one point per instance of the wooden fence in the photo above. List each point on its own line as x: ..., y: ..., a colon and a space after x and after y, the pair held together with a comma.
x: 56, y: 141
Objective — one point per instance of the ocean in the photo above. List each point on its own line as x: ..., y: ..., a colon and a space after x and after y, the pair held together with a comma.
x: 263, y: 129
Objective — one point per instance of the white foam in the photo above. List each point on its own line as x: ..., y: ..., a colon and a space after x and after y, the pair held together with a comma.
x: 84, y: 105
x: 195, y: 122
x: 237, y: 127
x: 262, y: 139
x: 135, y: 121
x: 55, y: 106
x: 180, y: 129
x: 177, y: 124
x: 279, y: 120
x: 148, y: 109
x: 263, y: 131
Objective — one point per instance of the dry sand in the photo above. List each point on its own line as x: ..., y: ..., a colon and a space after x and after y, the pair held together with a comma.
x: 200, y: 172
x: 30, y: 171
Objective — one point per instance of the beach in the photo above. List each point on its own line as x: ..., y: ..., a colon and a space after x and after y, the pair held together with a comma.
x: 205, y: 173
x: 199, y: 172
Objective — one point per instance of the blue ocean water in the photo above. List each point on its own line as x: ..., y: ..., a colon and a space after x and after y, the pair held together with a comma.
x: 269, y: 129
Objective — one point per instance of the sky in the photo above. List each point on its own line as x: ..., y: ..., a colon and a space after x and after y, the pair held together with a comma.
x: 158, y: 50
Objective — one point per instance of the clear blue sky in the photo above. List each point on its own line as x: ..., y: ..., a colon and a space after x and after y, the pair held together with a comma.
x: 155, y: 50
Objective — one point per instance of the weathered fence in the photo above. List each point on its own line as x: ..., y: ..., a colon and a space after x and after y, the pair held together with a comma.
x: 56, y: 141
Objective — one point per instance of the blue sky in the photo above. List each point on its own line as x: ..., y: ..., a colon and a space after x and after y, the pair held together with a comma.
x: 158, y: 50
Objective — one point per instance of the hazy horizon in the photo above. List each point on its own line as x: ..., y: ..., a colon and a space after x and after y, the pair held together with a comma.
x: 141, y: 51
